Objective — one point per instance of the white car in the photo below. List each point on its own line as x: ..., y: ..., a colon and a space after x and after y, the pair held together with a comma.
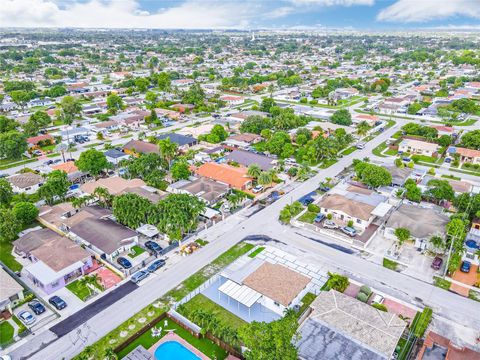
x: 378, y: 299
x: 257, y: 189
x: 26, y: 317
x: 329, y: 224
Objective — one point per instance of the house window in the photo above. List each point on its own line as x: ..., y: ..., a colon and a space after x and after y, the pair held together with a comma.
x: 359, y: 221
x: 276, y: 303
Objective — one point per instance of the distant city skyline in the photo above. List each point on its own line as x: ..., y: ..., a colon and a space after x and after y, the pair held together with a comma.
x: 247, y: 14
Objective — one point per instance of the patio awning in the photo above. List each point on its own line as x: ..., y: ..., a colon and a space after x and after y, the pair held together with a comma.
x: 241, y: 293
x: 382, y: 209
x: 148, y: 230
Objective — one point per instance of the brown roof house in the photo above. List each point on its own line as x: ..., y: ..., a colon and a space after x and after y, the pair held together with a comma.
x: 56, y: 260
x: 260, y: 290
x: 10, y: 291
x: 436, y: 346
x: 27, y: 183
x: 206, y: 189
x: 136, y: 147
x: 342, y: 327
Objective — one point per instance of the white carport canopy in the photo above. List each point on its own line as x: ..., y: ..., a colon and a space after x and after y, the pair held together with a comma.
x: 382, y: 209
x: 241, y: 293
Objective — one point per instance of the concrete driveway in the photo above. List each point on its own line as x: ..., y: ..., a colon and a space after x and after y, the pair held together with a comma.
x: 41, y: 319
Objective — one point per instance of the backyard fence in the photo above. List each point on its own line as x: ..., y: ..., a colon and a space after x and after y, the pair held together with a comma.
x: 197, y: 291
x: 181, y: 320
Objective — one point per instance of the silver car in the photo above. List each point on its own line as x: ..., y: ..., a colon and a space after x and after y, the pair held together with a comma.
x: 139, y: 276
x: 329, y: 224
x: 26, y: 317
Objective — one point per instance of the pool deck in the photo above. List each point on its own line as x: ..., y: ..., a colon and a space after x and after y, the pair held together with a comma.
x: 171, y: 336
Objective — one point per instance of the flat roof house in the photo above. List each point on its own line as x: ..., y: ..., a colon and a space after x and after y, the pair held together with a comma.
x: 182, y: 141
x: 343, y: 328
x: 235, y: 177
x: 27, y: 183
x: 418, y: 147
x: 247, y: 158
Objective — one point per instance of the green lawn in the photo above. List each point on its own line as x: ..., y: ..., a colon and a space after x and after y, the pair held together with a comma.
x: 308, y: 217
x: 349, y: 150
x: 135, y: 251
x: 397, y: 135
x: 7, y: 258
x: 81, y: 290
x: 378, y: 150
x: 390, y: 264
x: 9, y: 164
x: 256, y: 252
x: 204, y: 345
x: 306, y: 301
x: 21, y: 326
x: 201, y: 242
x: 428, y: 159
x: 6, y: 332
x: 327, y: 163
x: 441, y: 283
x: 391, y: 152
x: 202, y: 302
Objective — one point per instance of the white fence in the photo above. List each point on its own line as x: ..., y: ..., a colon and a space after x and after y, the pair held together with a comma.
x: 197, y: 291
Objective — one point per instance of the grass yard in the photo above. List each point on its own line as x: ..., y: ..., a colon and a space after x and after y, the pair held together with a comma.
x: 391, y: 152
x: 204, y: 345
x: 327, y: 163
x: 7, y: 258
x: 379, y: 149
x: 201, y: 242
x: 308, y: 217
x: 390, y: 264
x: 21, y: 326
x: 6, y: 332
x: 349, y: 150
x: 256, y: 252
x: 306, y: 301
x: 7, y: 164
x: 202, y: 302
x: 441, y: 283
x: 81, y: 290
x: 397, y: 135
x: 135, y: 251
x: 428, y: 159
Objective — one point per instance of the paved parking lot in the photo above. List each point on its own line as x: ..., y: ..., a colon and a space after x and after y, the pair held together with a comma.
x: 41, y: 319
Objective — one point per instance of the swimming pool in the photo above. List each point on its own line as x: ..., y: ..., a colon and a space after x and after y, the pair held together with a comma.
x: 173, y: 350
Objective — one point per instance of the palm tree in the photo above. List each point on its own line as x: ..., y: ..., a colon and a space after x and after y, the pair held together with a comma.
x: 103, y: 196
x: 110, y: 354
x: 363, y: 128
x: 94, y: 279
x: 168, y: 150
x: 265, y: 178
x: 85, y: 281
x: 254, y: 171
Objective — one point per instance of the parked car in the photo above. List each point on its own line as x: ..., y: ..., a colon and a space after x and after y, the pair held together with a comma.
x: 153, y: 246
x: 139, y: 276
x: 360, y: 146
x: 323, y: 188
x: 257, y: 189
x: 157, y: 264
x: 466, y: 265
x: 319, y: 218
x: 378, y: 299
x: 349, y: 231
x: 58, y: 302
x: 329, y: 224
x: 56, y: 161
x: 437, y: 263
x: 26, y: 317
x: 48, y: 162
x: 36, y: 306
x: 306, y: 200
x: 126, y: 264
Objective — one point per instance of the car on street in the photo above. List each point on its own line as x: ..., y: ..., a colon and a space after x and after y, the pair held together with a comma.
x: 306, y: 200
x: 58, y: 302
x: 324, y: 188
x: 153, y: 246
x: 157, y: 264
x: 257, y: 189
x: 329, y: 224
x: 319, y: 218
x: 349, y: 231
x: 126, y: 264
x: 36, y: 306
x: 360, y: 146
x: 139, y: 276
x: 437, y: 263
x: 466, y: 265
x: 48, y: 162
x: 26, y: 317
x: 377, y: 299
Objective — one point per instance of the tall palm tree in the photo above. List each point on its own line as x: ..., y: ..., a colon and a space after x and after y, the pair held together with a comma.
x: 103, y: 196
x: 363, y: 128
x: 110, y: 354
x: 265, y: 178
x: 168, y: 150
x: 254, y: 171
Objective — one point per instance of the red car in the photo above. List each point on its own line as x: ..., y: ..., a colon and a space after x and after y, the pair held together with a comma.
x: 437, y: 263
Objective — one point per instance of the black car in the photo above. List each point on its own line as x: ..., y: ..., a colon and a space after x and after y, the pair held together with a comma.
x: 157, y: 264
x: 124, y: 263
x: 58, y: 302
x: 49, y: 162
x: 153, y: 246
x: 36, y: 306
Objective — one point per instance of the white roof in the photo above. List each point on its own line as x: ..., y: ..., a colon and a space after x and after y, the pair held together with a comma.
x: 148, y: 230
x: 243, y: 294
x: 47, y: 275
x: 210, y: 213
x: 382, y: 209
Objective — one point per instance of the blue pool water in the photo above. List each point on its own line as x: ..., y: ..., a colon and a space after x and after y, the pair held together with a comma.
x: 172, y: 350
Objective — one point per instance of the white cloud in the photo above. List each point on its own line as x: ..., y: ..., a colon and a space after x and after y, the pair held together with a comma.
x: 192, y: 14
x: 425, y: 10
x: 334, y: 2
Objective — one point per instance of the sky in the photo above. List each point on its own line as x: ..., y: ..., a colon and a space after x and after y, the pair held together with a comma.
x: 243, y: 14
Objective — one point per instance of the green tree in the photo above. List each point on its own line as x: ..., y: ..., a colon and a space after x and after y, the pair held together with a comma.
x: 12, y: 145
x: 471, y: 140
x: 70, y: 108
x: 180, y: 170
x: 341, y: 117
x: 265, y: 178
x: 254, y: 171
x: 25, y: 212
x: 363, y: 128
x: 373, y: 175
x: 9, y: 226
x: 402, y: 235
x: 164, y: 81
x: 413, y: 192
x: 271, y: 341
x: 131, y: 210
x: 56, y: 186
x: 337, y: 282
x: 93, y: 162
x: 36, y: 122
x: 6, y: 193
x: 194, y: 95
x: 267, y: 104
x: 440, y: 190
x: 114, y: 103
x: 168, y: 150
x: 7, y: 124
x: 414, y: 108
x: 142, y: 84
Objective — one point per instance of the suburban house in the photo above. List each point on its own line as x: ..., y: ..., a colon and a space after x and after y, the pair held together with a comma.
x: 369, y: 119
x: 436, y: 346
x: 242, y: 141
x: 247, y: 158
x: 342, y: 327
x: 35, y: 140
x: 10, y: 292
x: 183, y: 142
x: 208, y: 190
x: 472, y: 243
x: 422, y: 222
x: 136, y: 147
x: 344, y: 93
x: 471, y: 156
x: 56, y: 260
x: 27, y: 183
x: 71, y: 132
x: 235, y: 177
x: 231, y: 100
x: 73, y: 174
x: 419, y: 147
x: 399, y: 175
x: 114, y: 156
x: 352, y: 203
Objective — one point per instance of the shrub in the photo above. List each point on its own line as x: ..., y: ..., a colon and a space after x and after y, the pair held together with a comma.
x: 362, y: 297
x: 329, y: 216
x: 313, y: 208
x: 337, y: 282
x: 380, y: 307
x: 350, y: 223
x: 366, y: 290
